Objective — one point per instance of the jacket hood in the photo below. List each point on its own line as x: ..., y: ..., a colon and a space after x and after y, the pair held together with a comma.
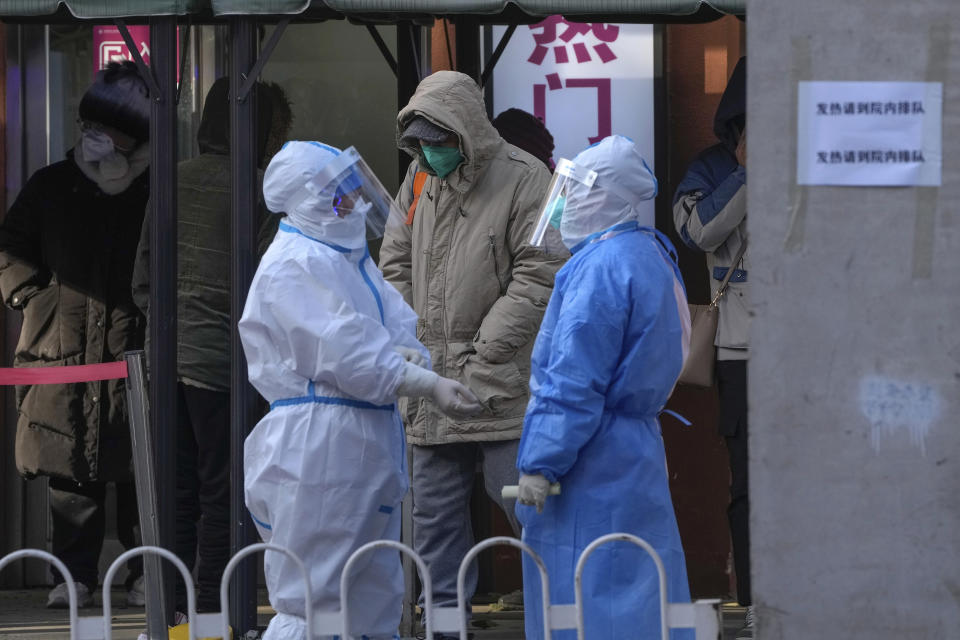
x: 452, y: 100
x: 273, y: 120
x: 732, y: 110
x: 213, y: 136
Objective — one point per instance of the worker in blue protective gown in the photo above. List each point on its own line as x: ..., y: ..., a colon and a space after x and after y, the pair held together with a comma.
x: 330, y: 344
x: 609, y: 351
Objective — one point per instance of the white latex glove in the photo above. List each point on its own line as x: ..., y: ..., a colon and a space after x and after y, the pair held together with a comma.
x: 533, y: 490
x: 413, y: 356
x: 453, y: 398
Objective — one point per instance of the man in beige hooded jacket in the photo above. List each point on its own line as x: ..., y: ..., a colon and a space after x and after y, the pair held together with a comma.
x: 463, y: 262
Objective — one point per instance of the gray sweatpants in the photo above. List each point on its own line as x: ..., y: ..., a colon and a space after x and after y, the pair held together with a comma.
x: 443, y: 478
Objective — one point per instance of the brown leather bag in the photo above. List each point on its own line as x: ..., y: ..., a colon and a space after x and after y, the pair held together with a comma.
x: 698, y: 369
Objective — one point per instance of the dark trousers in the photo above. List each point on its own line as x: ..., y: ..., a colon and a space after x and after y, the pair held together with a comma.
x: 443, y: 477
x: 79, y: 525
x: 732, y: 385
x: 203, y: 491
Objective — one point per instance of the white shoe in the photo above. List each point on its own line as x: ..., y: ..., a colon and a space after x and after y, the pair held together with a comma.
x: 59, y: 597
x: 135, y: 595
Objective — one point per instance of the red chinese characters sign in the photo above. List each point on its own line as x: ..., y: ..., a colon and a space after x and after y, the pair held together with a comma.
x: 584, y: 80
x: 550, y: 37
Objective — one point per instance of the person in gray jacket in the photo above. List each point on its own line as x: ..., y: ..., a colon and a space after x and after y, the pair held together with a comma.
x: 710, y: 214
x: 203, y: 330
x: 463, y: 261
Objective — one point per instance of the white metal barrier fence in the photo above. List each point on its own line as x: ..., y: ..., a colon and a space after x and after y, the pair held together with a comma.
x: 703, y: 616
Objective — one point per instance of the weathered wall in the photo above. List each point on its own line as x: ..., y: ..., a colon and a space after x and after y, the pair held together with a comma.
x: 855, y: 355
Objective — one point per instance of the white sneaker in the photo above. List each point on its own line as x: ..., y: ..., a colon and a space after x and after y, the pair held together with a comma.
x: 59, y: 597
x: 512, y: 601
x: 178, y: 618
x: 135, y: 595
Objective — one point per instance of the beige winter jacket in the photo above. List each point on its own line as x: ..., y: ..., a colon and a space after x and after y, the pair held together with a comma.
x: 465, y: 265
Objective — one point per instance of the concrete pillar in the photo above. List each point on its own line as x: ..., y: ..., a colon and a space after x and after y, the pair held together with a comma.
x: 855, y: 342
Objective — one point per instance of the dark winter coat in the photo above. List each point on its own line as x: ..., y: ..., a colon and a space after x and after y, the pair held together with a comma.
x: 204, y: 241
x: 66, y: 260
x: 203, y: 273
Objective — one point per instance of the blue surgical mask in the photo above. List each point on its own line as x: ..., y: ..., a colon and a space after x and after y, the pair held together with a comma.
x: 443, y: 160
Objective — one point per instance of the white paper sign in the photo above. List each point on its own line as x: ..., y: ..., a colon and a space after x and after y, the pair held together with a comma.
x: 585, y: 80
x: 869, y: 133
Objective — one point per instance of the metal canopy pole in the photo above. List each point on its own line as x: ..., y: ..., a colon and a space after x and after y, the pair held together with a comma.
x: 468, y: 47
x: 492, y: 62
x: 382, y: 46
x: 243, y: 404
x: 487, y: 87
x: 254, y: 73
x: 163, y: 283
x: 183, y: 59
x: 408, y: 73
x: 409, y: 43
x: 148, y: 76
x: 145, y: 477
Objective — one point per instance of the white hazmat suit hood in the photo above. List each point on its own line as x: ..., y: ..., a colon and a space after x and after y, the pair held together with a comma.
x: 289, y: 171
x: 623, y: 181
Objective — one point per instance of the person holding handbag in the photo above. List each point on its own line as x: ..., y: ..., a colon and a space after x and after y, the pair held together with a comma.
x: 710, y: 214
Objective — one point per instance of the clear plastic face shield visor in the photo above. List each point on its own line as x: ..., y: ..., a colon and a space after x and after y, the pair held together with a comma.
x: 567, y: 178
x: 358, y: 192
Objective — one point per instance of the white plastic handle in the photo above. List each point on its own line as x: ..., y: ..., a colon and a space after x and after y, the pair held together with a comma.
x: 512, y: 491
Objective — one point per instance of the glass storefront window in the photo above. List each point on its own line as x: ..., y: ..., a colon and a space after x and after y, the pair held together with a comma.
x: 70, y: 73
x: 319, y: 66
x: 71, y: 61
x: 341, y: 89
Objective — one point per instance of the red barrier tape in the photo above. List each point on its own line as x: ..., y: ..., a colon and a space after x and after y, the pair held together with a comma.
x: 63, y: 375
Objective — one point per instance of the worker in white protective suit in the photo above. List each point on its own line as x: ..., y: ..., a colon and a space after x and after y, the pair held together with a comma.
x: 331, y: 345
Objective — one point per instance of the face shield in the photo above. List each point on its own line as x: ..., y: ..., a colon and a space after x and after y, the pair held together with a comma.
x: 568, y: 180
x: 354, y: 191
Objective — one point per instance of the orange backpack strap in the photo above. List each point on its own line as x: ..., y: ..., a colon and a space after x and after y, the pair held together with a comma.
x: 418, y: 181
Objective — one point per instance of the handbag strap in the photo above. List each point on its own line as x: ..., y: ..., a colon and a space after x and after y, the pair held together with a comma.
x: 726, y: 278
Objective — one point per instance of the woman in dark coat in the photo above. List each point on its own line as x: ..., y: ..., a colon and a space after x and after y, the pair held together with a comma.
x: 67, y: 247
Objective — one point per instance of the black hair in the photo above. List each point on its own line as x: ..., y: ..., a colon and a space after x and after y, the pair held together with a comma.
x: 525, y: 130
x: 731, y: 118
x: 274, y: 119
x: 281, y: 121
x: 119, y: 98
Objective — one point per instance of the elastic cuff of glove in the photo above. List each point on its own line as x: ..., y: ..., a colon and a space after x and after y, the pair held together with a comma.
x: 541, y: 472
x: 417, y: 382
